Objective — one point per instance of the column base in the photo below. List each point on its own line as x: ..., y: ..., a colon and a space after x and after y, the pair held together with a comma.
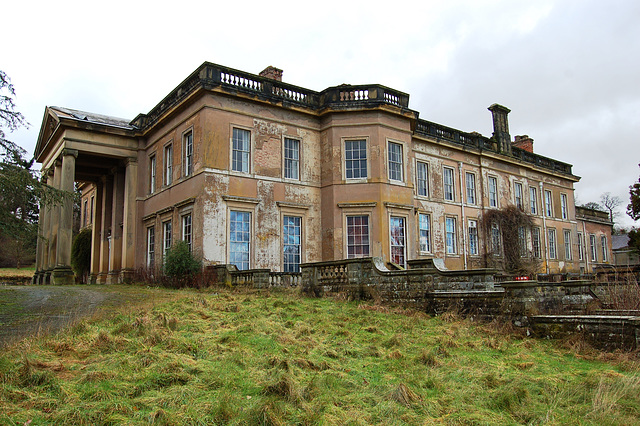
x: 62, y: 275
x: 127, y: 275
x: 113, y: 277
x: 100, y: 278
x: 35, y: 280
x: 46, y: 277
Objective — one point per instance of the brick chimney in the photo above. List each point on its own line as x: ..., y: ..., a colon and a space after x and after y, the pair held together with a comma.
x: 272, y: 73
x: 501, y: 127
x: 524, y: 142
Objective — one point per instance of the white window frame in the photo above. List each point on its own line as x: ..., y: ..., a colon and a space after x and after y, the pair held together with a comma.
x: 536, y: 244
x: 553, y: 243
x: 451, y: 235
x: 395, y: 161
x: 187, y: 146
x: 474, y: 239
x: 470, y: 184
x: 366, y: 239
x: 296, y: 244
x: 448, y: 188
x: 168, y: 164
x: 496, y: 240
x: 580, y: 246
x: 518, y: 195
x: 241, y: 157
x: 605, y: 251
x: 291, y: 166
x: 167, y: 236
x: 151, y: 243
x: 232, y: 243
x: 533, y: 200
x: 422, y: 178
x: 424, y: 232
x: 187, y: 229
x: 152, y: 173
x: 548, y: 203
x: 564, y: 206
x: 567, y: 244
x: 493, y: 191
x: 354, y: 165
x: 403, y: 239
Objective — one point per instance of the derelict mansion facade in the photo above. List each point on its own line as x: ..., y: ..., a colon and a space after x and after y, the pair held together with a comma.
x: 255, y: 172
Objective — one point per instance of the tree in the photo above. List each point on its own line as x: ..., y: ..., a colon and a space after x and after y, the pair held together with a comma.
x: 633, y: 209
x: 592, y: 205
x: 20, y: 188
x: 634, y: 239
x: 180, y: 265
x: 610, y: 202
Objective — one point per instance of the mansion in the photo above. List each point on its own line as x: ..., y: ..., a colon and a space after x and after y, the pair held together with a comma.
x: 254, y: 172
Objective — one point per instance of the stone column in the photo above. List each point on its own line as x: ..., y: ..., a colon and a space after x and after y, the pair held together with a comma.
x: 115, y: 257
x: 46, y: 230
x: 129, y: 220
x: 41, y: 243
x: 105, y: 229
x: 54, y: 219
x: 62, y: 273
x: 96, y: 232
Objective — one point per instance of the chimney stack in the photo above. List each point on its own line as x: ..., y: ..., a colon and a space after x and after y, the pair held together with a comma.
x: 524, y: 142
x: 272, y: 73
x: 501, y: 127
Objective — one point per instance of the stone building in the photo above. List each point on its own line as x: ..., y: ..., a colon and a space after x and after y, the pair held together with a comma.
x: 255, y: 172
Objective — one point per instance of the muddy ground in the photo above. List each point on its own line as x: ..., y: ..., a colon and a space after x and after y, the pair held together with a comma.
x: 31, y: 310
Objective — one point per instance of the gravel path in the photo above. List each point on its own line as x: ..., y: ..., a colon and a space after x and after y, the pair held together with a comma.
x: 30, y: 310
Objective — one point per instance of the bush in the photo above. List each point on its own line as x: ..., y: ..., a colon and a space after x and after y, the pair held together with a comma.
x: 81, y: 254
x: 180, y: 265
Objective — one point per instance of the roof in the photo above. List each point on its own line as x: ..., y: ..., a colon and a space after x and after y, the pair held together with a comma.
x: 619, y: 241
x: 93, y: 117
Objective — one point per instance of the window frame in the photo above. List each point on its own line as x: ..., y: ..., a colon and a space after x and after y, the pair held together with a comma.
x: 167, y: 236
x: 474, y: 237
x: 451, y: 194
x: 241, y: 152
x: 553, y: 243
x: 496, y: 239
x: 564, y: 206
x: 186, y: 221
x: 581, y: 243
x: 288, y: 163
x: 536, y: 243
x: 518, y: 195
x: 395, y: 162
x: 548, y: 203
x: 472, y: 198
x: 168, y: 164
x: 187, y: 153
x: 403, y: 221
x: 424, y: 233
x: 422, y: 182
x: 533, y: 200
x: 568, y: 255
x: 232, y: 243
x: 451, y: 236
x: 151, y: 249
x: 285, y: 256
x: 349, y: 163
x: 152, y: 173
x: 605, y: 251
x: 353, y: 216
x: 492, y: 191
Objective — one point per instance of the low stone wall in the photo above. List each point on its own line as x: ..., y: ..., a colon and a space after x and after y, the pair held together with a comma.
x: 603, y: 331
x: 534, y: 297
x: 230, y: 276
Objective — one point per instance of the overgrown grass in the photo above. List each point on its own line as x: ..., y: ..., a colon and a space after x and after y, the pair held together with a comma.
x: 15, y: 272
x: 224, y: 357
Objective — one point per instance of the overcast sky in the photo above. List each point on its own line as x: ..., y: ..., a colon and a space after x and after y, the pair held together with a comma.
x: 568, y: 70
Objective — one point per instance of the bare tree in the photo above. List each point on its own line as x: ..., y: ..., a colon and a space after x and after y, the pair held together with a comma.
x: 611, y: 203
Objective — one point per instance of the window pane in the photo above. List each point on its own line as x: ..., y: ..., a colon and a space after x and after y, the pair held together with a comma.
x: 241, y: 145
x: 239, y: 223
x: 291, y: 158
x: 397, y: 232
x: 448, y: 184
x: 357, y: 236
x: 355, y: 159
x: 422, y: 174
x: 395, y: 161
x: 425, y: 233
x: 291, y: 243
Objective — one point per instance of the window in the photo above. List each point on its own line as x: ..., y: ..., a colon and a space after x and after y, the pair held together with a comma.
x: 473, y: 237
x: 563, y: 205
x: 166, y: 237
x: 533, y: 199
x: 548, y: 207
x: 422, y: 177
x: 493, y: 191
x: 551, y: 233
x: 151, y: 246
x: 186, y: 229
x: 447, y: 176
x: 495, y: 239
x: 239, y: 237
x: 450, y: 234
x: 357, y: 236
x: 425, y: 233
x: 567, y: 244
x: 580, y: 246
x: 152, y: 174
x: 188, y: 153
x: 168, y: 164
x: 603, y: 243
x: 471, y: 188
x: 519, y: 195
x: 91, y: 205
x: 85, y: 212
x: 395, y: 161
x: 535, y: 242
x: 522, y: 240
x: 592, y: 246
x: 241, y: 144
x: 398, y: 240
x: 291, y: 158
x: 355, y: 154
x: 292, y: 240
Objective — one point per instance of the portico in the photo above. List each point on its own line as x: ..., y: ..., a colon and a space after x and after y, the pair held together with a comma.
x: 102, y: 151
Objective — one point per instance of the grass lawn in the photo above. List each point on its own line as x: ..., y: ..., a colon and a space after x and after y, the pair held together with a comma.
x: 27, y: 271
x: 237, y: 357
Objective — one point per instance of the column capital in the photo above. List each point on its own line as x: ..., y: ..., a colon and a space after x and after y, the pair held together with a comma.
x: 68, y: 151
x: 130, y: 160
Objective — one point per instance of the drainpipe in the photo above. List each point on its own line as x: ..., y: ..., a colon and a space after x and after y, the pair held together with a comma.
x: 544, y: 228
x: 464, y: 220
